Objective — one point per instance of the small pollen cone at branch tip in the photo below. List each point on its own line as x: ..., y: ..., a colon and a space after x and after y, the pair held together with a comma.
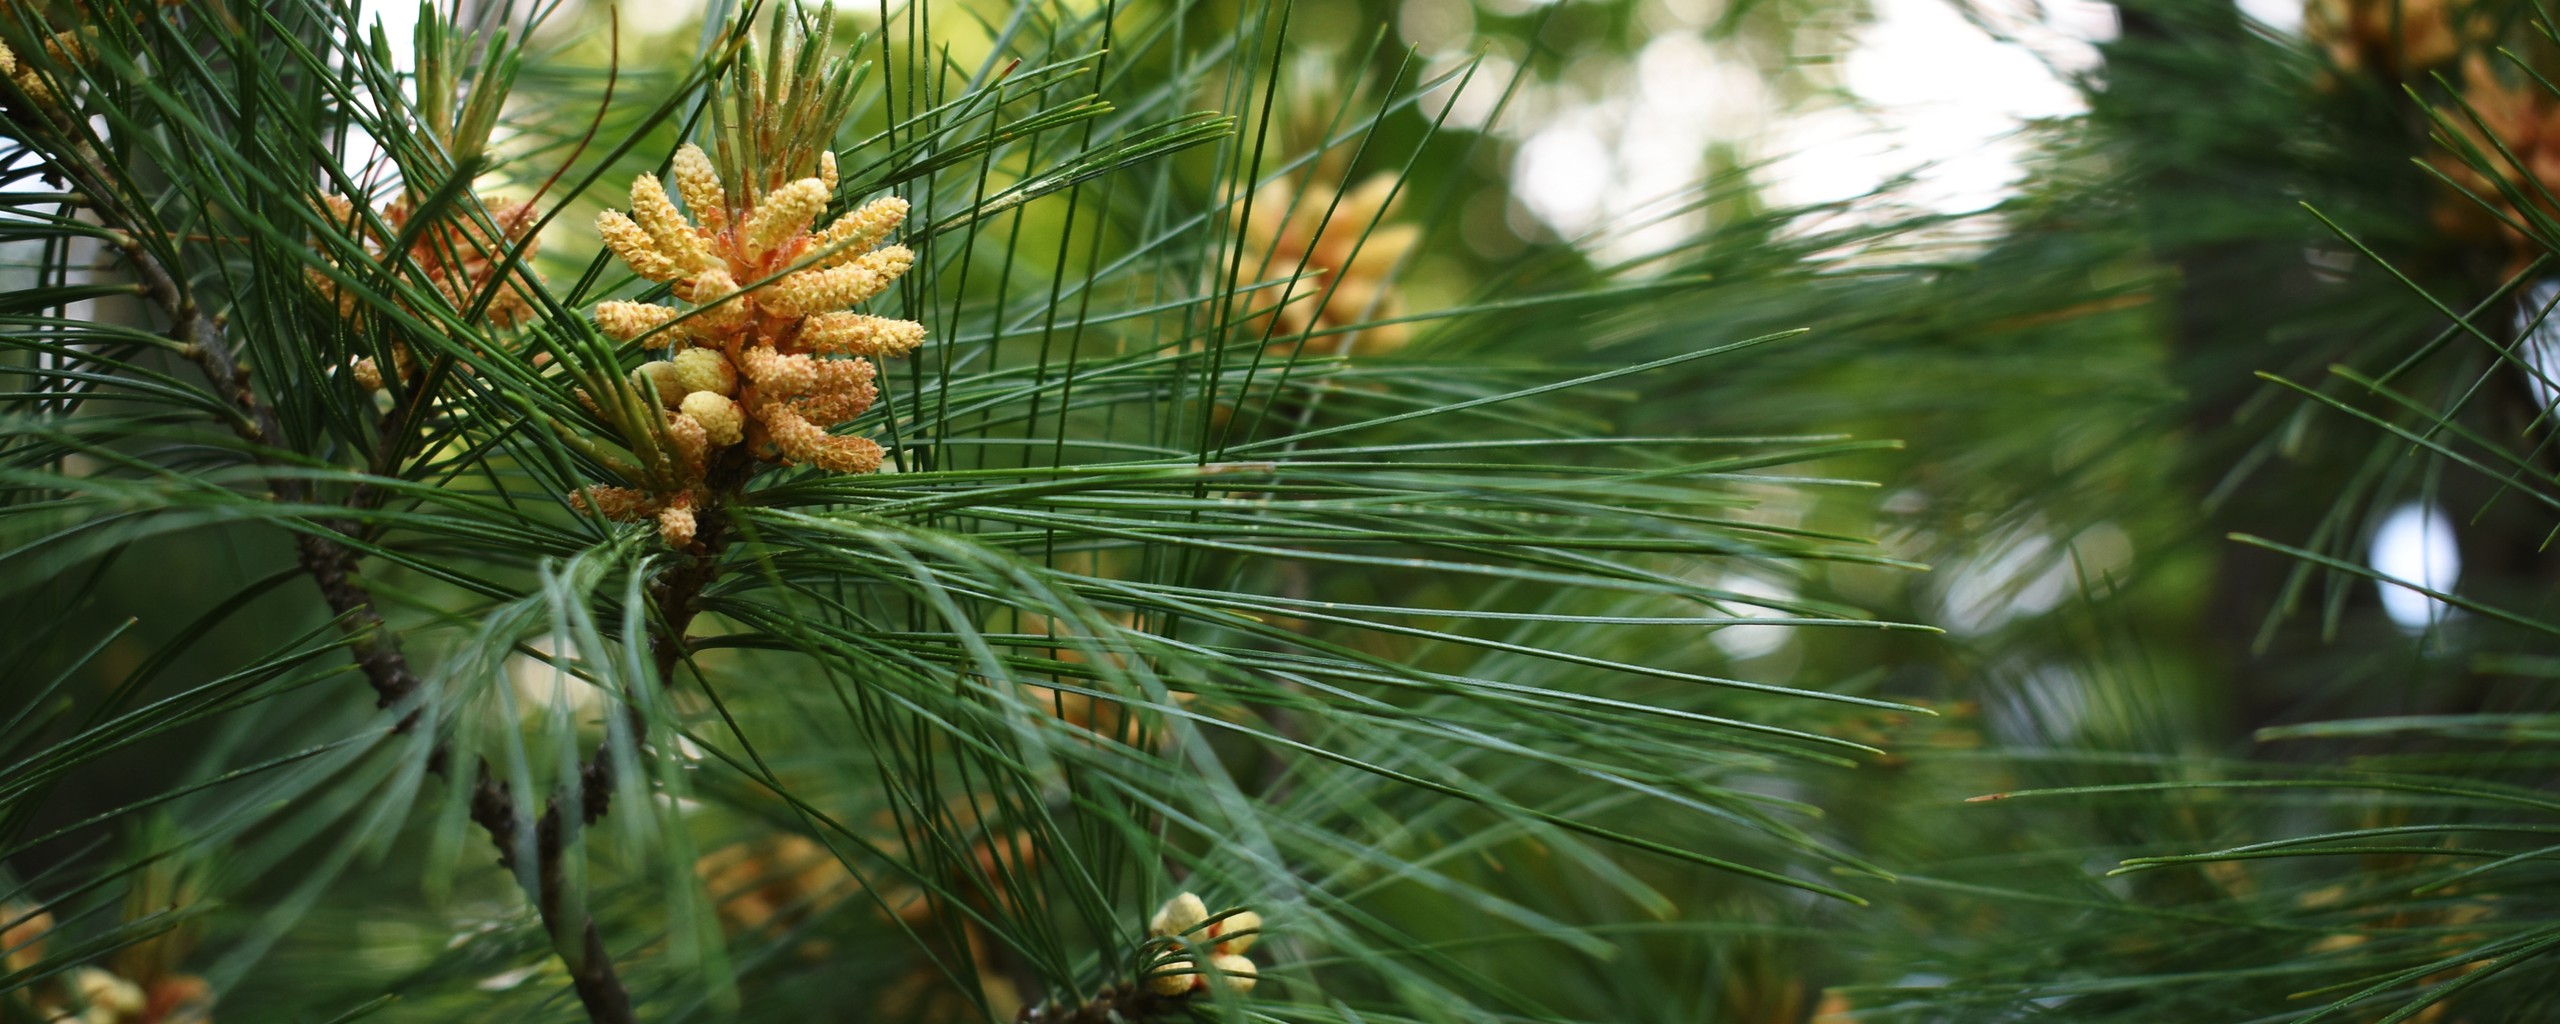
x: 1186, y: 918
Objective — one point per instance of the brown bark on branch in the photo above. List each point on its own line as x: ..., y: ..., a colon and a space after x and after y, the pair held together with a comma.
x: 375, y: 648
x: 1116, y: 1004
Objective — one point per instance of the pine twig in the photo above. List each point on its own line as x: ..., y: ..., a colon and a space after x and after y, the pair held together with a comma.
x: 376, y: 648
x: 1115, y: 1004
x: 377, y: 653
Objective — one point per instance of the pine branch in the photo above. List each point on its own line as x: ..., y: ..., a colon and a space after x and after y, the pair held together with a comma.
x: 332, y: 566
x: 1113, y: 1005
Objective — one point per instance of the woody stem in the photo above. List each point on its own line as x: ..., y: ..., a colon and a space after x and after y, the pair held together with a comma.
x: 333, y: 566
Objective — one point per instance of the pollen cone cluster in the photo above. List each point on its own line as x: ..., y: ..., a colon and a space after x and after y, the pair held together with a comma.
x: 773, y: 883
x: 2391, y: 39
x: 141, y: 992
x: 1115, y: 715
x: 1341, y: 256
x: 1226, y: 939
x: 460, y: 255
x: 767, y: 352
x: 63, y: 48
x: 2523, y: 118
x: 784, y: 884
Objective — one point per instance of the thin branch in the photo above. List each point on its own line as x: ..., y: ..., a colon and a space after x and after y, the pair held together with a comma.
x: 374, y: 645
x: 1115, y: 1004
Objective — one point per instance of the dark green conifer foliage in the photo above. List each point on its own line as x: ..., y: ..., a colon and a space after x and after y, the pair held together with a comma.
x: 333, y: 700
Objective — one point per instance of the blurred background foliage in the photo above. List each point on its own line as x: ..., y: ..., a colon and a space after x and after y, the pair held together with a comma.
x: 2197, y: 350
